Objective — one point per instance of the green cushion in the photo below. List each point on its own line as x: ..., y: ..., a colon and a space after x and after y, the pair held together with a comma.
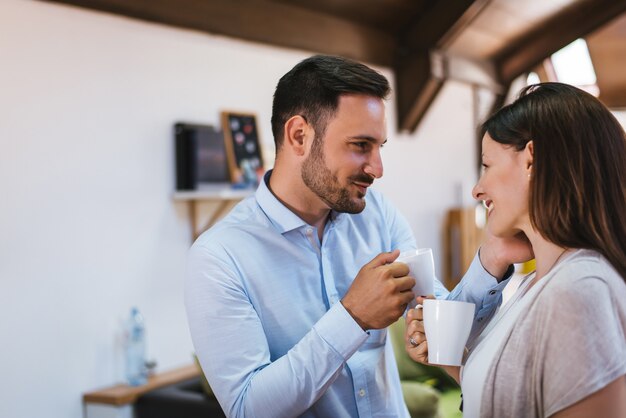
x: 449, y: 404
x: 407, y: 368
x: 421, y: 400
x: 203, y: 381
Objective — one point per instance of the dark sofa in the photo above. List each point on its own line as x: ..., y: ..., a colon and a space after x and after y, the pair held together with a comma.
x: 186, y: 399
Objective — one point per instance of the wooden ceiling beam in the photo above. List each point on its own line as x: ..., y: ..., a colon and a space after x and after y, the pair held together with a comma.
x: 416, y: 87
x: 420, y: 70
x: 432, y: 70
x: 572, y: 23
x: 432, y: 25
x: 268, y: 22
x: 481, y: 73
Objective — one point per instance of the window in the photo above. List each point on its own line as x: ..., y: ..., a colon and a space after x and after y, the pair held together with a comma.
x: 533, y: 78
x: 572, y: 65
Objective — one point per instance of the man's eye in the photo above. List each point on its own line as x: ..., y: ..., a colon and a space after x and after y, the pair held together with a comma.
x: 361, y: 145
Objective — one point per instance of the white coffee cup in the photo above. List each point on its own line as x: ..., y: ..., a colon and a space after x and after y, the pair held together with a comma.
x: 447, y: 324
x: 421, y: 268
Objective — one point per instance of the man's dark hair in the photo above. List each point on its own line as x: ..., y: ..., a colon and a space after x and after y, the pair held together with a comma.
x: 312, y: 89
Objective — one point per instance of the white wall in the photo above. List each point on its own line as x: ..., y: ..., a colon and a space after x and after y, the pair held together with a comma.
x: 434, y: 169
x: 87, y: 224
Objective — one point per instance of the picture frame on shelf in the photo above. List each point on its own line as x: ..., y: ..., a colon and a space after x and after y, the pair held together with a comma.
x: 243, y: 146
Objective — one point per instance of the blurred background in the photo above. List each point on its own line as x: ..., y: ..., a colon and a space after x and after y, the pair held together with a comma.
x: 90, y: 90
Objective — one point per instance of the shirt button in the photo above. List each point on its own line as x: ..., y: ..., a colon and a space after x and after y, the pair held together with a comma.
x: 493, y: 292
x: 480, y: 319
x: 362, y: 392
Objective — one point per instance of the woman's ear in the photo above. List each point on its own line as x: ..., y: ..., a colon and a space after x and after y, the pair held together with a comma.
x: 528, y: 154
x: 297, y: 135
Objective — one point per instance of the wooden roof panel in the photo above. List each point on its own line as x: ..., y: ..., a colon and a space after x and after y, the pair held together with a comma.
x: 607, y: 48
x: 391, y: 16
x: 502, y: 23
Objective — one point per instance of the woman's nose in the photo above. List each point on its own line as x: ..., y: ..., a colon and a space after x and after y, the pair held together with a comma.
x: 477, y: 192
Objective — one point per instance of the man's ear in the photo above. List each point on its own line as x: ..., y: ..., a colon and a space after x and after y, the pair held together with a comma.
x: 297, y: 135
x: 529, y: 154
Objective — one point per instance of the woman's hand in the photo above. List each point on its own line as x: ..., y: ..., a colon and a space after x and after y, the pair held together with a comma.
x: 415, y: 337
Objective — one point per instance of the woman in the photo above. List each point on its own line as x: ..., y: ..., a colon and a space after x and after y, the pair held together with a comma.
x: 554, y: 173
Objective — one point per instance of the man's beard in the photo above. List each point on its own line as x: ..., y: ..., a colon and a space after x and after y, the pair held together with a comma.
x: 318, y: 178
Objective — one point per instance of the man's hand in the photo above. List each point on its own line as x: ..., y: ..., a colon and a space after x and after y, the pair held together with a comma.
x: 497, y: 254
x: 380, y: 292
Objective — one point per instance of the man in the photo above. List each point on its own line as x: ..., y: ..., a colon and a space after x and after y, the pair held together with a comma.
x: 289, y: 296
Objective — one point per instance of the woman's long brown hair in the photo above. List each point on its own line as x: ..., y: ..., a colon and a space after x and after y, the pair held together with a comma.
x: 578, y: 182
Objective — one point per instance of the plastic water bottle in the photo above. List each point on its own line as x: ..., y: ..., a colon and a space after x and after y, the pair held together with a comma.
x: 136, y: 349
x: 249, y: 174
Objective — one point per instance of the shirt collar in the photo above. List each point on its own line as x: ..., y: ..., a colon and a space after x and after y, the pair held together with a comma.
x: 283, y: 218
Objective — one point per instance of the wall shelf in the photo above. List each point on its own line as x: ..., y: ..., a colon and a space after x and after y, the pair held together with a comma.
x: 221, y: 197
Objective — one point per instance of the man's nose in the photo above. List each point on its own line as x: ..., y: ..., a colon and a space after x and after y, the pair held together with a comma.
x: 374, y: 166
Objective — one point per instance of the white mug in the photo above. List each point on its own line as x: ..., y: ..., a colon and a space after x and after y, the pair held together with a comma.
x: 447, y: 324
x: 422, y: 269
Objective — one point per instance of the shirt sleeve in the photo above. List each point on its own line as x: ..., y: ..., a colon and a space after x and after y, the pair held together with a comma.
x: 582, y: 347
x: 237, y: 359
x: 474, y: 285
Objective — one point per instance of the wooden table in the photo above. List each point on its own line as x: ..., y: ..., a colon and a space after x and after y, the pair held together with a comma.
x: 117, y: 401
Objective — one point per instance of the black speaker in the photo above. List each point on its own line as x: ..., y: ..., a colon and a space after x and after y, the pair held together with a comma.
x: 200, y: 156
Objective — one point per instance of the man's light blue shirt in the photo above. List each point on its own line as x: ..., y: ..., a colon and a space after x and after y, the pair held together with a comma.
x: 263, y: 302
